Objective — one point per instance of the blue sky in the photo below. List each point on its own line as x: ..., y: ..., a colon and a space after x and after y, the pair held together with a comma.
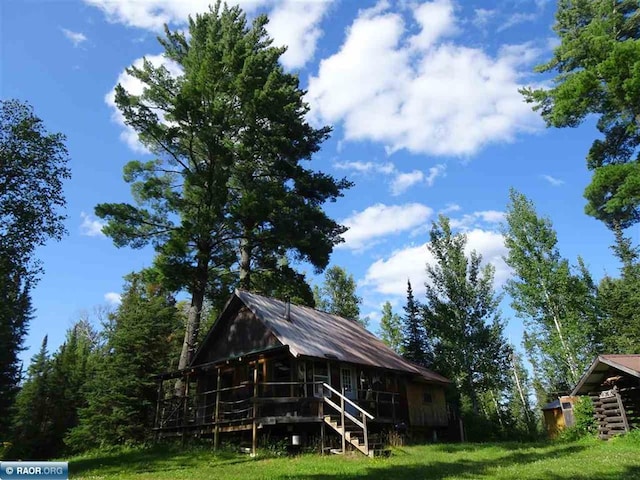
x: 426, y: 115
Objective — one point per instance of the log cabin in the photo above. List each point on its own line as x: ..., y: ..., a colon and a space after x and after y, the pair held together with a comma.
x: 613, y: 384
x: 273, y: 368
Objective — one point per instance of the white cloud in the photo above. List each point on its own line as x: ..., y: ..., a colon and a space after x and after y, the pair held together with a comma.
x: 113, y: 298
x: 297, y: 25
x: 435, y: 172
x: 399, y: 182
x: 389, y: 276
x: 379, y: 220
x: 482, y: 17
x: 293, y: 22
x: 556, y: 182
x: 366, y: 167
x: 90, y: 226
x: 450, y: 207
x: 516, y: 19
x: 476, y: 219
x: 75, y: 37
x: 436, y: 21
x: 136, y: 87
x: 403, y: 181
x: 446, y: 99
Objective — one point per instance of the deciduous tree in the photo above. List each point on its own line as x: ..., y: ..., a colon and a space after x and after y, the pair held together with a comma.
x: 337, y: 295
x: 462, y: 317
x: 559, y: 306
x: 33, y: 167
x: 391, y: 328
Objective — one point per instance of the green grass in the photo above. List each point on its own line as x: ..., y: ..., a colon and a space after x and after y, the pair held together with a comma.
x: 586, y: 459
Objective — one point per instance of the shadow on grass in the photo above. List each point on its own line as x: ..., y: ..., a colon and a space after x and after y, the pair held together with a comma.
x: 154, y: 459
x: 478, y: 469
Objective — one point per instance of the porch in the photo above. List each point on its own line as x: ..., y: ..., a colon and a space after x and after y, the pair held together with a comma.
x: 262, y: 390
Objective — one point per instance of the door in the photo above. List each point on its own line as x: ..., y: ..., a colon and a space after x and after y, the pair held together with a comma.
x: 348, y: 386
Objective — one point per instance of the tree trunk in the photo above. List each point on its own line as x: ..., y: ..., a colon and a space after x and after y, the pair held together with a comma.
x: 573, y: 368
x: 245, y: 264
x: 193, y: 320
x: 519, y: 387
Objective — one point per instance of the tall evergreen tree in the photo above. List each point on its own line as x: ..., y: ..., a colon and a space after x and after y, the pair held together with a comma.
x: 228, y: 187
x: 559, y: 307
x: 619, y: 299
x: 597, y: 63
x: 462, y: 317
x: 15, y: 313
x: 337, y: 295
x: 121, y: 397
x: 32, y: 420
x: 391, y: 328
x: 72, y: 368
x: 33, y: 167
x: 416, y: 346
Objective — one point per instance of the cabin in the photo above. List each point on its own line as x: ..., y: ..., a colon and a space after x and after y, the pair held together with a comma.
x: 558, y: 415
x: 270, y: 368
x: 613, y: 384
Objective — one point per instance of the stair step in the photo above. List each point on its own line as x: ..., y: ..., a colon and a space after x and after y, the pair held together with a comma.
x: 336, y: 451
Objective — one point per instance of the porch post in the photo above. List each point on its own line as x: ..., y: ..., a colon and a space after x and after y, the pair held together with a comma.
x: 254, y: 430
x: 344, y: 431
x: 321, y: 412
x: 185, y: 409
x: 216, y: 427
x: 156, y: 422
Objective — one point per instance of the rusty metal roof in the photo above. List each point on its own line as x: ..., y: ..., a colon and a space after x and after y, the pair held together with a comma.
x: 593, y: 378
x: 312, y: 333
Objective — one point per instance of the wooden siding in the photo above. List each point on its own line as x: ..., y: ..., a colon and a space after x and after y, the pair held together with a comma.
x: 240, y: 334
x: 423, y: 412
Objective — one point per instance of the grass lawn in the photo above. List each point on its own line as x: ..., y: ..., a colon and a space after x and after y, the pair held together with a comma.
x: 585, y: 459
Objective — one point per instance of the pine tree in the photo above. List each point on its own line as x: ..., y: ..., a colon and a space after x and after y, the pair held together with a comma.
x: 618, y: 298
x: 32, y: 421
x: 596, y: 62
x: 138, y: 347
x: 71, y: 371
x: 391, y: 328
x: 15, y: 314
x: 415, y: 347
x: 228, y: 188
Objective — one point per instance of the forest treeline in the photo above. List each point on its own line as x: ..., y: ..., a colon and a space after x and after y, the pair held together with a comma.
x: 230, y: 200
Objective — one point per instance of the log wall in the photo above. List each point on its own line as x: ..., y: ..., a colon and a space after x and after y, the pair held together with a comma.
x: 617, y: 411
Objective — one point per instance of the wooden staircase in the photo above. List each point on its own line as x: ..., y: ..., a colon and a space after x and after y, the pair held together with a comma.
x: 352, y: 430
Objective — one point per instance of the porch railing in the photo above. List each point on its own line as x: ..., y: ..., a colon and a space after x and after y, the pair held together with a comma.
x: 244, y: 403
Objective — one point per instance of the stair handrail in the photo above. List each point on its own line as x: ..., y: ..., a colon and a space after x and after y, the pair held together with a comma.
x: 348, y: 400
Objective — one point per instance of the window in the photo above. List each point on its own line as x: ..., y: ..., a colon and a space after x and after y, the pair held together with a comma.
x: 566, y: 406
x: 320, y: 374
x: 426, y: 397
x: 346, y: 380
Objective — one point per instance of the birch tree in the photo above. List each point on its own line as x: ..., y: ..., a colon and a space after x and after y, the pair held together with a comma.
x: 556, y: 304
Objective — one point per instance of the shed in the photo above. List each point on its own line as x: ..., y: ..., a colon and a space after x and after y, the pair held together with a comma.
x: 558, y: 415
x: 613, y: 384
